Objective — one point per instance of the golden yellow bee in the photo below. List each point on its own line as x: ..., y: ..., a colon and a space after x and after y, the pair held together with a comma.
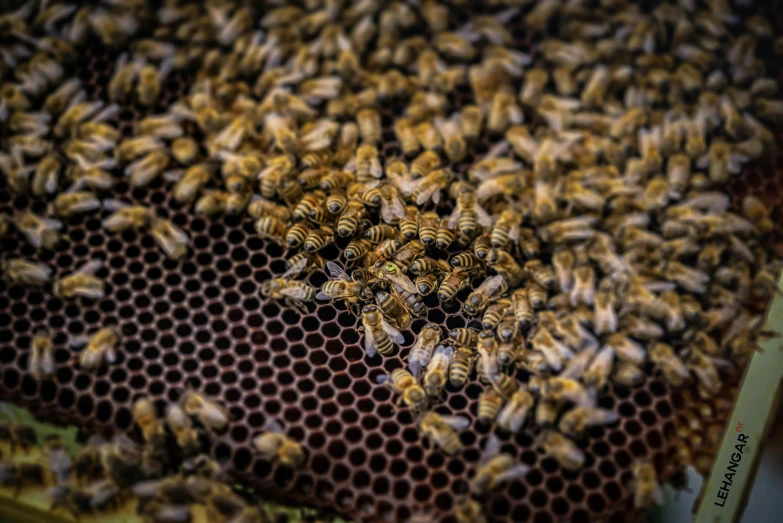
x: 74, y: 202
x: 405, y: 385
x: 211, y: 414
x: 125, y: 216
x: 101, y: 347
x: 436, y: 375
x: 478, y: 299
x: 38, y: 230
x: 19, y: 271
x: 379, y: 335
x: 442, y: 430
x: 646, y: 489
x: 41, y: 363
x: 82, y: 282
x: 495, y: 469
x: 514, y: 413
x: 342, y: 287
x: 562, y: 449
x: 170, y: 238
x: 276, y: 446
x: 489, y: 404
x: 185, y: 435
x: 147, y: 420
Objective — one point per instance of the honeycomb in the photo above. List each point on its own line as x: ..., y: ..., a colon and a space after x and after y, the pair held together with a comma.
x: 201, y: 323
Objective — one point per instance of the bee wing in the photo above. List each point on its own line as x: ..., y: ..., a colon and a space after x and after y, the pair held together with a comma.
x: 52, y: 223
x: 272, y: 425
x: 426, y: 194
x: 454, y: 218
x: 111, y: 204
x: 382, y: 379
x: 391, y: 208
x: 173, y: 175
x: 296, y: 268
x: 456, y: 422
x: 91, y: 267
x: 297, y: 293
x: 375, y: 168
x: 78, y: 341
x: 369, y: 342
x: 491, y: 449
x: 484, y: 219
x: 490, y: 285
x: 395, y: 335
x: 515, y: 472
x: 335, y: 271
x: 598, y: 416
x: 403, y: 281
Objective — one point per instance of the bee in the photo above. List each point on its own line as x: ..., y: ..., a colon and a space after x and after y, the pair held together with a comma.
x: 428, y: 136
x: 349, y: 220
x: 672, y: 367
x: 409, y: 222
x: 125, y: 216
x: 453, y: 283
x: 442, y: 430
x: 24, y: 272
x: 495, y: 312
x: 506, y: 229
x: 454, y: 142
x: 46, y: 176
x: 39, y: 231
x: 58, y: 460
x: 82, y: 282
x: 260, y: 207
x: 755, y: 210
x: 427, y: 187
x: 211, y: 414
x: 405, y: 385
x: 150, y: 80
x: 369, y: 122
x: 478, y: 299
x: 428, y: 228
x: 404, y: 131
x: 293, y: 293
x: 188, y: 183
x: 366, y: 164
x: 495, y: 468
x: 507, y: 267
x: 41, y: 362
x: 172, y: 240
x: 308, y: 205
x: 100, y: 347
x: 705, y: 370
x: 145, y: 170
x: 125, y: 74
x: 646, y: 489
x: 273, y: 229
x: 393, y: 307
x: 343, y: 287
x: 482, y: 246
x: 461, y: 366
x: 489, y: 404
x: 185, y: 435
x: 438, y: 370
x: 600, y: 368
x: 71, y: 203
x: 357, y: 249
x: 562, y: 449
x: 318, y: 239
x: 274, y: 445
x: 471, y: 121
x: 378, y: 233
x: 513, y: 414
x: 145, y: 417
x: 468, y: 214
x: 575, y: 421
x: 379, y: 335
x: 555, y: 352
x: 421, y: 352
x: 423, y: 165
x: 445, y: 235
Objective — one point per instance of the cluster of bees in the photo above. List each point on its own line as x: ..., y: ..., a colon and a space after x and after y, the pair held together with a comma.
x: 593, y: 236
x: 167, y: 476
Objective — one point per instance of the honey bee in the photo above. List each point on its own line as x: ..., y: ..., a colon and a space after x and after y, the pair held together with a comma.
x: 423, y: 165
x: 755, y: 210
x: 403, y: 130
x: 442, y: 430
x: 482, y: 246
x: 514, y: 413
x: 437, y: 372
x: 274, y: 445
x: 101, y: 347
x: 125, y: 216
x: 454, y: 143
x: 506, y: 229
x: 453, y: 283
x: 145, y: 170
x: 428, y: 228
x: 349, y: 220
x: 293, y: 293
x: 188, y: 183
x: 477, y: 301
x: 555, y: 352
x: 185, y: 435
x: 495, y: 468
x: 71, y: 203
x: 409, y: 222
x: 390, y: 272
x: 489, y: 404
x: 421, y: 352
x: 369, y: 122
x: 38, y: 230
x: 318, y: 239
x: 646, y: 489
x: 405, y: 385
x: 273, y: 229
x: 672, y: 367
x: 150, y: 80
x: 46, y: 176
x: 503, y: 113
x: 574, y: 422
x: 495, y: 312
x: 393, y: 306
x: 145, y: 417
x: 82, y: 282
x: 172, y: 240
x: 125, y: 74
x: 471, y: 121
x: 705, y: 370
x: 357, y: 249
x: 428, y: 187
x: 469, y: 510
x: 461, y: 366
x: 211, y: 414
x: 562, y: 449
x: 379, y: 335
x: 533, y: 86
x: 378, y: 233
x: 468, y: 214
x: 465, y: 337
x: 23, y: 272
x: 628, y: 375
x: 41, y: 362
x: 342, y: 287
